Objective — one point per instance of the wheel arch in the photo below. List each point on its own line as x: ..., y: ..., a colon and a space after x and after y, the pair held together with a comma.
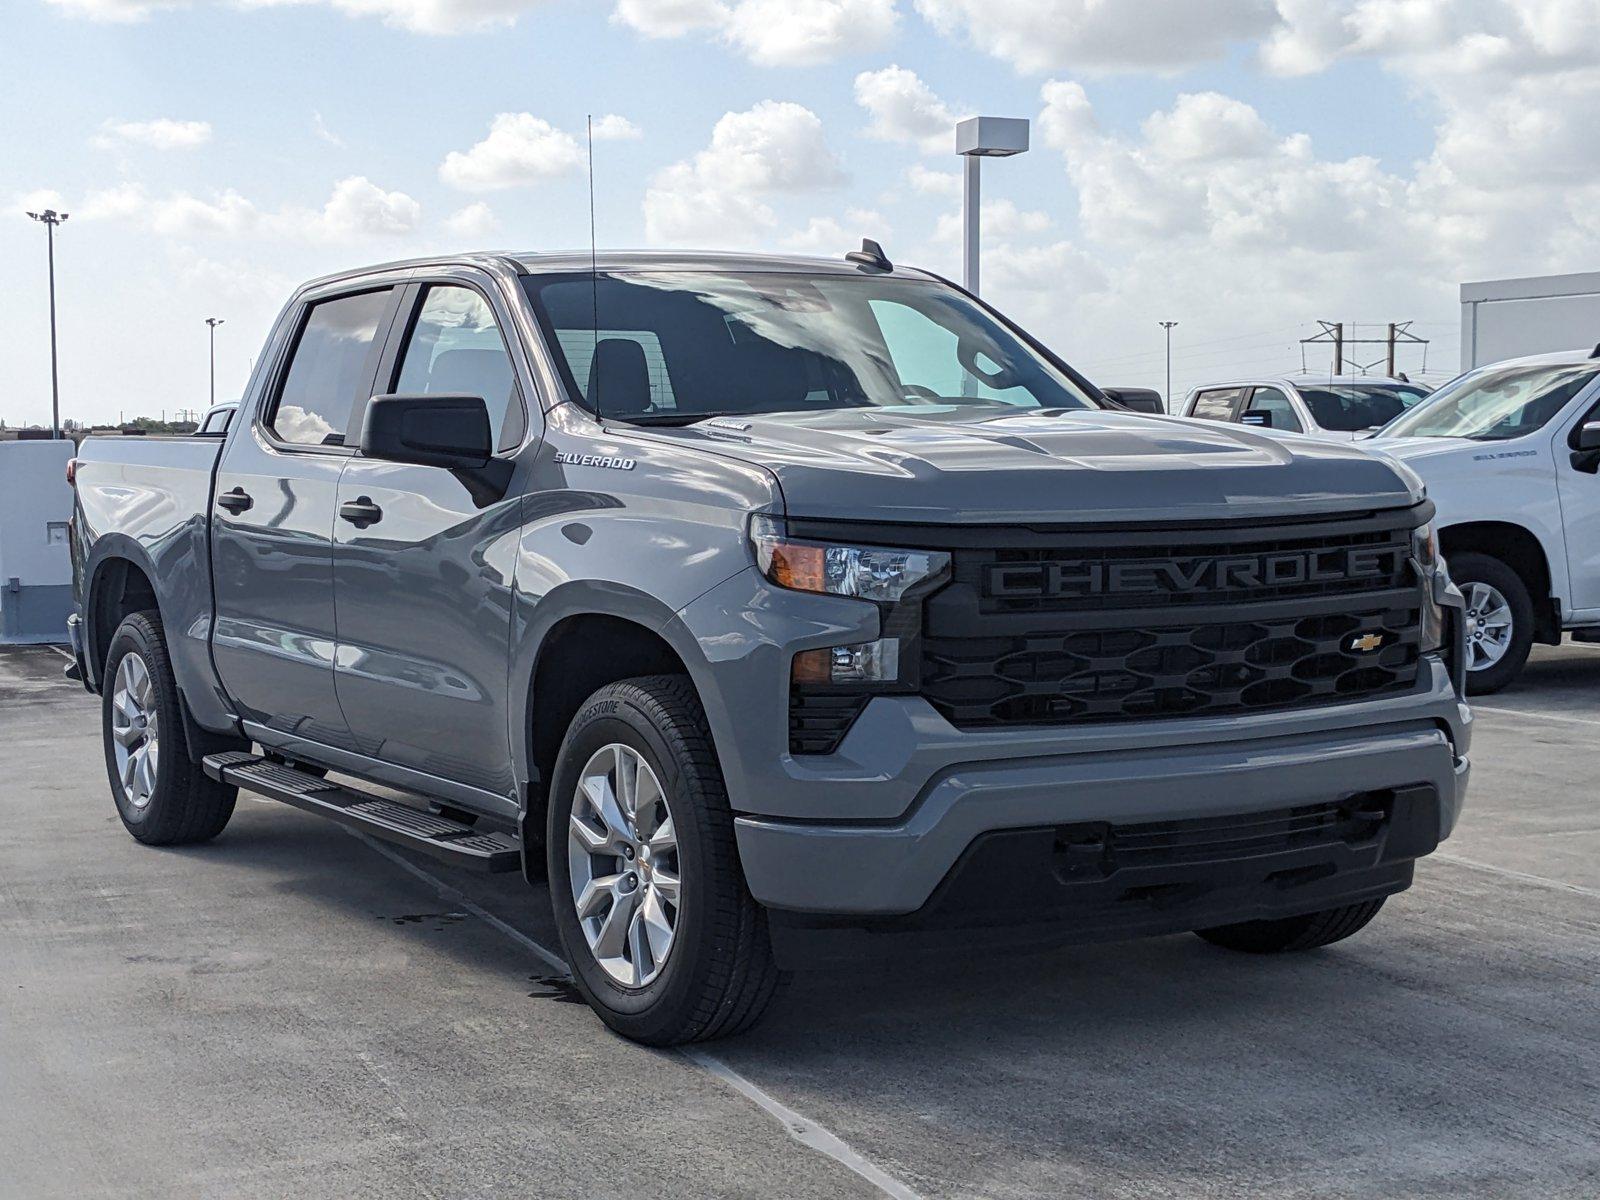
x: 586, y: 636
x: 120, y: 582
x: 1520, y: 549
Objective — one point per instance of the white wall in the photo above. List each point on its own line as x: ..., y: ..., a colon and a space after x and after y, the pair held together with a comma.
x: 34, y: 494
x: 1507, y: 318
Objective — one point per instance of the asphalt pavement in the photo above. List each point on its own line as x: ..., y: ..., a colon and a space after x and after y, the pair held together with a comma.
x: 293, y: 1010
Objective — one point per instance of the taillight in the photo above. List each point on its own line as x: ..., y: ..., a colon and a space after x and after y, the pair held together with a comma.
x: 72, y: 472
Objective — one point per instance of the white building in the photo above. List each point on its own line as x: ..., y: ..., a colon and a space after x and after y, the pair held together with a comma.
x: 1507, y: 318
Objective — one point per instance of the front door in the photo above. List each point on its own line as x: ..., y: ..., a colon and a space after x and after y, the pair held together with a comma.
x: 1580, y: 514
x: 423, y: 561
x: 272, y: 529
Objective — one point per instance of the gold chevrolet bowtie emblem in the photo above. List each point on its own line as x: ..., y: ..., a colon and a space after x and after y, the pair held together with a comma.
x: 1366, y: 642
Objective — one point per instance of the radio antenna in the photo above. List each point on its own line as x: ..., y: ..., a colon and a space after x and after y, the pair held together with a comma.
x: 594, y: 281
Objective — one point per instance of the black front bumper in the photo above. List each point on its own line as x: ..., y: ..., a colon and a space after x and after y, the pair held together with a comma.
x: 1036, y: 888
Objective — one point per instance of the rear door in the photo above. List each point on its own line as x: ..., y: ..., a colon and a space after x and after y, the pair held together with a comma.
x: 272, y: 528
x: 423, y: 557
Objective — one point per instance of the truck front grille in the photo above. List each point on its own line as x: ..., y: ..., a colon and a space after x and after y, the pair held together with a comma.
x: 1151, y: 623
x: 1140, y: 671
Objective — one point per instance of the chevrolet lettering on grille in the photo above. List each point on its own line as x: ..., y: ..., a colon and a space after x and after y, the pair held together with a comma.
x: 1006, y: 581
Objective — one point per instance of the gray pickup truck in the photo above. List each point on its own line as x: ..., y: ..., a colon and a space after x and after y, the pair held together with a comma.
x: 778, y: 612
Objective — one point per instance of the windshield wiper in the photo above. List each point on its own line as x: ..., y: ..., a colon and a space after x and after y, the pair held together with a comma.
x: 670, y: 418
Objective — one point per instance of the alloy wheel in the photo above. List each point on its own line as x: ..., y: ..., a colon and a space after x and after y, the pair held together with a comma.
x: 135, y: 730
x: 1489, y: 626
x: 622, y: 856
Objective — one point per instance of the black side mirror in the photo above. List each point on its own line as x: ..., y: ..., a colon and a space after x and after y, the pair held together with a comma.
x: 1586, y: 448
x: 450, y: 431
x: 1141, y: 400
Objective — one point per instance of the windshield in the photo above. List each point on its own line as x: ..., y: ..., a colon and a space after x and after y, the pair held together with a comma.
x: 1496, y: 404
x: 672, y: 347
x: 1349, y: 408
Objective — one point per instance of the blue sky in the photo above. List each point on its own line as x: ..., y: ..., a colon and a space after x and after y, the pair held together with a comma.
x: 1242, y: 166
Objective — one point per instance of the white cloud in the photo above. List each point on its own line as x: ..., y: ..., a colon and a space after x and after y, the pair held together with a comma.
x: 830, y: 235
x: 999, y: 219
x: 613, y: 128
x: 162, y: 133
x: 1096, y: 35
x: 476, y: 220
x: 669, y: 18
x: 357, y: 209
x: 933, y: 183
x: 719, y: 197
x: 770, y: 32
x: 360, y: 208
x: 905, y: 109
x: 422, y: 16
x: 521, y: 149
x: 40, y: 199
x: 119, y: 11
x: 320, y: 128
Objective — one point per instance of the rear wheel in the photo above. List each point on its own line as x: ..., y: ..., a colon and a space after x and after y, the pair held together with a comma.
x: 664, y: 939
x: 162, y: 797
x: 1499, y: 620
x: 1289, y: 934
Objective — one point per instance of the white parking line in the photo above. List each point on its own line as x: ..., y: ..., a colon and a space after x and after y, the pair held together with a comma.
x: 1515, y: 712
x: 802, y: 1129
x: 66, y: 654
x: 806, y: 1132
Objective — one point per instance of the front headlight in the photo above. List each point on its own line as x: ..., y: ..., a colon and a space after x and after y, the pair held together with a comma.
x: 1431, y: 575
x: 866, y: 572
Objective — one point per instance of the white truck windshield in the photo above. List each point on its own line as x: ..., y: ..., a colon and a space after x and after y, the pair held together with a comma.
x: 1495, y: 404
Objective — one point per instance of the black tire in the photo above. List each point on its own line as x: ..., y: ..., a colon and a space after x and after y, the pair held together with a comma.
x: 719, y: 976
x: 184, y: 806
x: 1471, y: 567
x: 1289, y: 934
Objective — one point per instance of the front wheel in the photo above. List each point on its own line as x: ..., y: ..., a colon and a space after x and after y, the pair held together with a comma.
x: 1289, y: 934
x: 162, y: 796
x: 664, y: 939
x: 1499, y: 620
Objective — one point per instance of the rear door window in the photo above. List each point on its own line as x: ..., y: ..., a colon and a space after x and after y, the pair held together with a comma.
x: 1218, y: 404
x: 331, y: 364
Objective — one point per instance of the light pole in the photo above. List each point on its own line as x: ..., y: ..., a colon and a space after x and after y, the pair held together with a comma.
x: 51, y: 218
x: 1167, y: 325
x: 214, y: 322
x: 978, y: 138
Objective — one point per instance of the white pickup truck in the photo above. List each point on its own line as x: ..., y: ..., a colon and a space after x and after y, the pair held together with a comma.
x: 1510, y: 453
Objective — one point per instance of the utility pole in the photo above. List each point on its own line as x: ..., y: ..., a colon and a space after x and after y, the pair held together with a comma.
x: 214, y: 322
x: 1333, y: 333
x: 1167, y: 325
x: 51, y: 219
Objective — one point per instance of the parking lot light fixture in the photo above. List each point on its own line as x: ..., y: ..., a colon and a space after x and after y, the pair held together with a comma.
x: 50, y: 218
x: 978, y: 138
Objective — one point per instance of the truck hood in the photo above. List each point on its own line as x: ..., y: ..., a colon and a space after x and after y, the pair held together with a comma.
x: 1415, y: 449
x: 960, y: 465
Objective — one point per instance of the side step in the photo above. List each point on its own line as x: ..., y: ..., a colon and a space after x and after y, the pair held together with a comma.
x: 441, y: 838
x: 1589, y: 633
